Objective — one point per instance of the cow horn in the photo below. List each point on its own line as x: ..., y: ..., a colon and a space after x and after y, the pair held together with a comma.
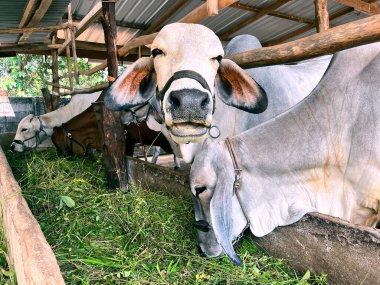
x: 220, y: 209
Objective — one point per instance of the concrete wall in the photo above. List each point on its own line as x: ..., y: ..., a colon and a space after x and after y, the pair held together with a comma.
x: 13, y: 109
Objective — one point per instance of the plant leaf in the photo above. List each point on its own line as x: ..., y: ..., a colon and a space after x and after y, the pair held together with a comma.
x: 68, y: 201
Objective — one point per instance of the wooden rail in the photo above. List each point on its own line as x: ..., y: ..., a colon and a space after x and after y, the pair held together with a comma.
x: 30, y: 255
x: 330, y: 41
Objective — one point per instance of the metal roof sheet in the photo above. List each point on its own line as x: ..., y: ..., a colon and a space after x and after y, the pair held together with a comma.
x: 147, y: 12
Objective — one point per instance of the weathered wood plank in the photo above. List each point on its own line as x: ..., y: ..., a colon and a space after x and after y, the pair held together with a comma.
x: 32, y: 29
x: 321, y: 15
x: 335, y: 39
x: 36, y: 18
x: 254, y: 18
x: 84, y: 24
x: 306, y: 28
x: 212, y: 8
x: 31, y: 256
x: 361, y: 6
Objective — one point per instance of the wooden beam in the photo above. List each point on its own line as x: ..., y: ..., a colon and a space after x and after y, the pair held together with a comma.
x: 212, y: 8
x: 28, y: 12
x: 57, y: 85
x: 194, y: 16
x: 335, y: 39
x: 27, y: 47
x: 361, y: 6
x: 321, y: 15
x: 84, y: 90
x: 36, y: 18
x: 84, y: 24
x: 177, y: 6
x: 31, y: 257
x: 32, y: 29
x: 307, y: 28
x: 256, y: 17
x: 274, y: 13
x: 200, y: 13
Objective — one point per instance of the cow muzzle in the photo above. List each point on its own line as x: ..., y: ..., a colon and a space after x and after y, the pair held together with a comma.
x: 188, y: 113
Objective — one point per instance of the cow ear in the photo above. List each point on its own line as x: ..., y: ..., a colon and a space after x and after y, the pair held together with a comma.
x: 135, y: 86
x: 236, y: 88
x: 222, y: 222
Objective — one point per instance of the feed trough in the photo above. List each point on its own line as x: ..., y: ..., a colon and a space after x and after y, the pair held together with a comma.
x: 348, y: 253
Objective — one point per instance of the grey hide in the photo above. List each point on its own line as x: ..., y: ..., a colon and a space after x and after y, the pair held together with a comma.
x: 285, y: 85
x: 321, y: 155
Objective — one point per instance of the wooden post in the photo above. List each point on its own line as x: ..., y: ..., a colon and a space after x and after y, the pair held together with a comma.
x: 73, y: 44
x: 212, y: 7
x: 111, y: 128
x: 54, y: 100
x: 321, y: 15
x: 68, y: 56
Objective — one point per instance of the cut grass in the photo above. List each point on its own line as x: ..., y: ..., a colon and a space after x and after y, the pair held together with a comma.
x: 139, y: 237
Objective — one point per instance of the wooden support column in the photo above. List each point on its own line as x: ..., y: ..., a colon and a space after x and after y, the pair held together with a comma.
x: 54, y: 100
x: 112, y: 131
x: 321, y: 15
x: 73, y: 44
x: 68, y: 56
x: 212, y: 7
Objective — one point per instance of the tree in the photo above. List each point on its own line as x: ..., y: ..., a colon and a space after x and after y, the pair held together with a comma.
x: 24, y: 75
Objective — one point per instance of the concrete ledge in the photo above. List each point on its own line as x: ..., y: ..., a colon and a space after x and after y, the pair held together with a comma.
x: 348, y: 253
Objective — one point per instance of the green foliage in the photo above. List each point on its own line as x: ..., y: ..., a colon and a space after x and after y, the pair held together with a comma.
x: 139, y: 237
x: 24, y: 75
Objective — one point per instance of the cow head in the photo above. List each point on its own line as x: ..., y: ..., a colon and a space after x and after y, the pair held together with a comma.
x: 30, y: 133
x: 219, y: 218
x: 184, y: 74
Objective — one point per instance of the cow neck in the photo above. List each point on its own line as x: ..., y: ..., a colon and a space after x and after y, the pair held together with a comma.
x: 237, y: 171
x: 185, y: 74
x: 71, y: 138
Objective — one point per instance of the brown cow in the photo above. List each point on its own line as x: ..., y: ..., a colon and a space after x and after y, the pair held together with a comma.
x: 81, y: 134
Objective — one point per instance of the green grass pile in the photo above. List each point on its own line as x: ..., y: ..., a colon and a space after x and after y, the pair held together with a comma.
x: 140, y: 237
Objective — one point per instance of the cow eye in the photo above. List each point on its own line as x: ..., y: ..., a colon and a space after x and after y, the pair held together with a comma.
x: 218, y: 58
x: 24, y: 130
x: 199, y: 190
x: 156, y: 52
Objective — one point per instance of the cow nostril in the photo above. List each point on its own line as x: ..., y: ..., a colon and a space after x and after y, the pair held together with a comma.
x: 205, y: 102
x: 174, y: 100
x: 200, y: 251
x: 12, y: 146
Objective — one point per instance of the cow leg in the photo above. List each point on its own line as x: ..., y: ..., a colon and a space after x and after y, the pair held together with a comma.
x: 156, y: 153
x: 177, y: 162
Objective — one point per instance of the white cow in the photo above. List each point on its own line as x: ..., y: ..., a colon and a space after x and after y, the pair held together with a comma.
x: 196, y: 85
x: 33, y: 130
x: 321, y: 155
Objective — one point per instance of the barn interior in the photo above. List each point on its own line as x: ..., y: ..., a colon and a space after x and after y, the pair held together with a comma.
x: 113, y: 33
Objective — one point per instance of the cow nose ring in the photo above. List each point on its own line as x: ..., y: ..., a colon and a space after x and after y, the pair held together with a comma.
x: 214, y: 132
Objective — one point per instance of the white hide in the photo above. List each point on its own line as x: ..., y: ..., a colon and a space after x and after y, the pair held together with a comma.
x: 30, y: 125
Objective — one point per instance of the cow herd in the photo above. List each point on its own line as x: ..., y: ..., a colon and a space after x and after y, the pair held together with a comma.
x: 266, y: 145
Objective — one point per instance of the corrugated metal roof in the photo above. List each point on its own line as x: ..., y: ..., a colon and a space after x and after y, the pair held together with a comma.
x: 148, y: 12
x: 12, y: 11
